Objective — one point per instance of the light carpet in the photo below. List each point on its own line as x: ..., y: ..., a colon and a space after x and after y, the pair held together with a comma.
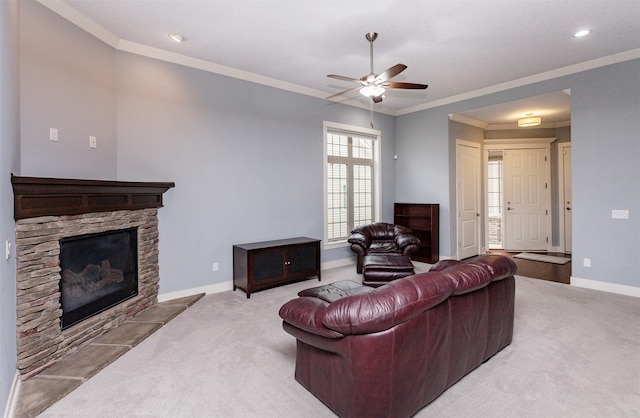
x: 575, y: 353
x: 543, y: 257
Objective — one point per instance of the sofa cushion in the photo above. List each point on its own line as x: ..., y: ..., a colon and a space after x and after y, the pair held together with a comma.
x: 478, y: 273
x: 383, y: 247
x: 334, y: 291
x: 388, y: 305
x: 499, y: 266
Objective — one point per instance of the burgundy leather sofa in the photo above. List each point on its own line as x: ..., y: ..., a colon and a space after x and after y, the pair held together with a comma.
x: 382, y: 238
x: 392, y: 350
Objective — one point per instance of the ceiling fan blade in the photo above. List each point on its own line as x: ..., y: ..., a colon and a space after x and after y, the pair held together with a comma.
x: 377, y: 99
x: 345, y: 92
x: 343, y: 78
x: 391, y: 72
x: 397, y: 85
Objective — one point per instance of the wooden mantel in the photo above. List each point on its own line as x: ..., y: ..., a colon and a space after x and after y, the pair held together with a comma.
x: 41, y: 196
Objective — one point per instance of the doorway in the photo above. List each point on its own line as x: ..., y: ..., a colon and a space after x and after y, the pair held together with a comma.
x: 494, y: 126
x: 518, y: 194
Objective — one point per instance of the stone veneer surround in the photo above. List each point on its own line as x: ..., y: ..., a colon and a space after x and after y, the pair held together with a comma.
x: 40, y: 341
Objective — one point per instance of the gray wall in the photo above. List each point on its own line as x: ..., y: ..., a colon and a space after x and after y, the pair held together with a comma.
x: 68, y: 83
x: 247, y: 161
x: 9, y: 163
x: 605, y: 104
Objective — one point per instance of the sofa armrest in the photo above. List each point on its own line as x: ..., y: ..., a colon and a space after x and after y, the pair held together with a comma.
x: 307, y: 314
x: 388, y: 305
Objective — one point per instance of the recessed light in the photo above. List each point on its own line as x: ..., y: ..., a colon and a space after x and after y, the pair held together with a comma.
x: 177, y: 37
x: 581, y: 33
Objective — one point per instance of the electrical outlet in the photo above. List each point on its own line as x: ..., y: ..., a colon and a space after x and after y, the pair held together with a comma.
x: 7, y: 246
x: 587, y: 262
x: 215, y: 266
x: 53, y: 134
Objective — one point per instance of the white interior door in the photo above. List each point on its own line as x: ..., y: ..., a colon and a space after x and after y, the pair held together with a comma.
x: 468, y: 199
x: 564, y: 154
x: 526, y: 182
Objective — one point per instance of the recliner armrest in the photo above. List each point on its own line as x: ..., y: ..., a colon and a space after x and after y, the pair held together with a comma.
x: 360, y: 239
x: 404, y: 240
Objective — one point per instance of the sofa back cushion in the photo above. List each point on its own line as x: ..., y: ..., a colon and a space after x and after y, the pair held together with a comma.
x: 388, y: 305
x: 478, y: 273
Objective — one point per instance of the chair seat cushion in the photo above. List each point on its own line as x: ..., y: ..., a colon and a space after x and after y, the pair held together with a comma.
x: 383, y: 247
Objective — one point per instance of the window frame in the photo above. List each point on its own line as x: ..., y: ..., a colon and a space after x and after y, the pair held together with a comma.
x: 376, y: 136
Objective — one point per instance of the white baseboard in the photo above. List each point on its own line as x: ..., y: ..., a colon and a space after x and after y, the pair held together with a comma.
x: 338, y: 263
x: 9, y: 411
x: 208, y: 290
x: 606, y: 287
x: 226, y: 286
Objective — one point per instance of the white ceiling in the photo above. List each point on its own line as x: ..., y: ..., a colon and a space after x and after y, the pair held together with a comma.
x: 461, y: 48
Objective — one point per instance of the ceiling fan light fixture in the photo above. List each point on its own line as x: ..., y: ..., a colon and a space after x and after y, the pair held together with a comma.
x: 372, y: 90
x: 529, y: 121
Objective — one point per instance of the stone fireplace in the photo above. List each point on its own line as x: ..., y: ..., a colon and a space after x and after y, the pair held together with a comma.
x: 49, y: 212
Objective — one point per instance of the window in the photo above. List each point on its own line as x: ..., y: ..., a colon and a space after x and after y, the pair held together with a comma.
x: 494, y: 200
x: 351, y: 182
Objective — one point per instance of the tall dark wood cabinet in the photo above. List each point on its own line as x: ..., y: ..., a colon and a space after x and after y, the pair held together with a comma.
x: 424, y: 220
x: 261, y: 265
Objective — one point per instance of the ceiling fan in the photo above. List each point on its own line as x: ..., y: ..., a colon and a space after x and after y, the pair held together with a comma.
x: 373, y: 85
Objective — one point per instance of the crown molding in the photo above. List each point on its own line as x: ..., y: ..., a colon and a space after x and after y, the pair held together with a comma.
x: 539, y: 142
x: 83, y: 22
x: 548, y: 75
x: 509, y: 126
x: 468, y: 121
x: 72, y: 15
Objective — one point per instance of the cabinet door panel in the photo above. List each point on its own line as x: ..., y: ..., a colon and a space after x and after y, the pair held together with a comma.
x: 303, y: 259
x: 268, y: 265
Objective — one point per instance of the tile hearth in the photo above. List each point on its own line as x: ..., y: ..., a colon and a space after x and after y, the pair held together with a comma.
x: 43, y: 390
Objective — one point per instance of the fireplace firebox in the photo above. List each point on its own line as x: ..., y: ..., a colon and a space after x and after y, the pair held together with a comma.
x: 98, y: 271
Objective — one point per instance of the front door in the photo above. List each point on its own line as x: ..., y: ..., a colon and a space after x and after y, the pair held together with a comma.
x: 468, y: 195
x: 526, y: 183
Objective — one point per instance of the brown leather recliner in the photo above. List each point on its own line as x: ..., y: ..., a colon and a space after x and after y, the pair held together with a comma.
x: 382, y: 238
x: 389, y: 351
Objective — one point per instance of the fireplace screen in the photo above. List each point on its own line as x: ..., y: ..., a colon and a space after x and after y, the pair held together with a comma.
x: 98, y: 271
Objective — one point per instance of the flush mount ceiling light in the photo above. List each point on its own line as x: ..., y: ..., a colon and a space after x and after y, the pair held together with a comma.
x: 177, y: 38
x: 529, y: 121
x: 581, y: 33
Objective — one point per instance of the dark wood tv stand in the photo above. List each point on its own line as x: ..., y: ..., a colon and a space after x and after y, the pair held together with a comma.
x: 261, y: 265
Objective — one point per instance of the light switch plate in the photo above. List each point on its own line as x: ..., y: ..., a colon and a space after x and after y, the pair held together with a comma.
x: 619, y: 214
x: 93, y: 142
